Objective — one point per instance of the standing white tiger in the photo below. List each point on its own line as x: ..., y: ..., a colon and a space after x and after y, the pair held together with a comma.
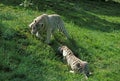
x: 47, y: 24
x: 77, y: 65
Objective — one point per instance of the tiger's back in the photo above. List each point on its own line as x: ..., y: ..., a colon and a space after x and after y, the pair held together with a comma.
x: 56, y: 22
x: 73, y: 61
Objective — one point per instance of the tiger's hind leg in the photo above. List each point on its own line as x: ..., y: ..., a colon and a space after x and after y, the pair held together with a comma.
x: 63, y: 30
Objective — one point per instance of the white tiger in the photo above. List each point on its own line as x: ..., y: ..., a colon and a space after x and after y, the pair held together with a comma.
x: 47, y: 24
x: 77, y: 65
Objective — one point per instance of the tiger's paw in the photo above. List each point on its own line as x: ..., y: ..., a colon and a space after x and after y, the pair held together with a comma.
x: 71, y: 71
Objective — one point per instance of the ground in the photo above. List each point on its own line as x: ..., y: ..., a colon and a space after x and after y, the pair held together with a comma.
x: 95, y: 33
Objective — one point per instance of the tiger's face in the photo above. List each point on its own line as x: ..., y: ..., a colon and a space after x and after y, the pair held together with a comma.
x: 35, y: 26
x: 63, y: 50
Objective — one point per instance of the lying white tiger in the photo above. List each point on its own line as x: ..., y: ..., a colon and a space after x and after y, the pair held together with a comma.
x: 77, y: 65
x: 47, y: 24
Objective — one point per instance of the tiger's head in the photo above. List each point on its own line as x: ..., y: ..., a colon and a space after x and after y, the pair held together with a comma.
x: 37, y: 24
x: 65, y: 50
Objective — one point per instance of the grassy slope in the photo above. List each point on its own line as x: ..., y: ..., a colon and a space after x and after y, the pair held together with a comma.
x: 93, y: 26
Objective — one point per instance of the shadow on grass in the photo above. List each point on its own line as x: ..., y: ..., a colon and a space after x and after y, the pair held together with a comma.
x: 82, y: 12
x: 12, y: 50
x: 82, y: 15
x: 12, y: 2
x: 109, y: 8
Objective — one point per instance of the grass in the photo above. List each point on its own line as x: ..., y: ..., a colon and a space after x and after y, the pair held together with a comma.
x: 93, y: 27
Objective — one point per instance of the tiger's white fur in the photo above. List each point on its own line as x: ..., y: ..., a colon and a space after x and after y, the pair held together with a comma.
x: 77, y: 65
x: 47, y: 24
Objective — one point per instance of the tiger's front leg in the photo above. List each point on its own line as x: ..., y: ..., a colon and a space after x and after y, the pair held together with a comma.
x: 38, y: 35
x: 49, y: 32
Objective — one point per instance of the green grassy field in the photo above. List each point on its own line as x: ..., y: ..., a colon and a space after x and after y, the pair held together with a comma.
x: 95, y: 31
